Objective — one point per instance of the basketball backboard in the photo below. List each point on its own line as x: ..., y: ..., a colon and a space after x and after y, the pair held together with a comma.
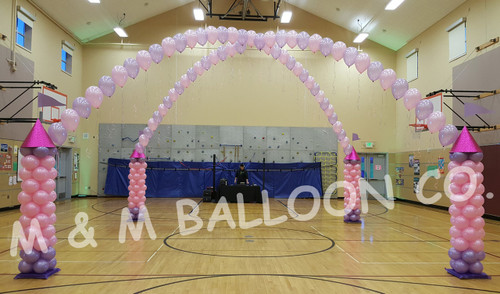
x: 53, y: 113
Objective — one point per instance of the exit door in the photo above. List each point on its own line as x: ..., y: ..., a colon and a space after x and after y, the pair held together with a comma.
x: 373, y: 170
x: 64, y: 173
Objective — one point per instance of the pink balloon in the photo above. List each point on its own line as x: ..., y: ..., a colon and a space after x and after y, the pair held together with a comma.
x: 469, y: 211
x: 469, y: 234
x: 214, y: 58
x: 454, y: 211
x: 52, y: 196
x: 198, y: 68
x: 232, y: 35
x: 452, y: 165
x: 269, y: 38
x: 344, y: 144
x: 459, y: 243
x: 162, y: 109
x: 30, y: 209
x: 266, y: 50
x: 454, y: 232
x: 448, y: 135
x: 168, y: 46
x: 436, y: 121
x: 185, y: 81
x: 191, y: 38
x: 314, y: 42
x: 48, y: 185
x: 48, y: 162
x: 119, y: 76
x: 348, y: 166
x: 284, y: 56
x: 152, y: 125
x: 30, y: 162
x: 23, y: 197
x: 30, y: 186
x: 411, y: 98
x: 70, y: 119
x: 173, y: 95
x: 329, y: 111
x: 94, y: 95
x: 49, y: 231
x: 24, y: 174
x: 297, y: 69
x: 338, y: 50
x: 143, y: 58
x: 387, y: 78
x: 362, y: 62
x: 309, y: 83
x: 131, y: 204
x: 251, y: 36
x: 337, y: 127
x: 49, y: 208
x: 143, y: 140
x: 320, y: 96
x: 212, y: 34
x: 291, y: 38
x: 477, y: 200
x: 460, y: 222
x: 479, y: 178
x: 37, y: 242
x: 477, y: 223
x: 477, y: 245
x: 350, y: 56
x: 40, y: 174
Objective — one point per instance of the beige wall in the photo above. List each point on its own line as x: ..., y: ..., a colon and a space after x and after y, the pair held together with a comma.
x: 251, y: 89
x: 45, y: 52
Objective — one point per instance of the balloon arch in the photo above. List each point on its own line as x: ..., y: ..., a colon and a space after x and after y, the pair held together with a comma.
x: 236, y: 41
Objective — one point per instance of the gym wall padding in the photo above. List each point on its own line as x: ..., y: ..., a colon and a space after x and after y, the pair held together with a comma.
x: 167, y: 179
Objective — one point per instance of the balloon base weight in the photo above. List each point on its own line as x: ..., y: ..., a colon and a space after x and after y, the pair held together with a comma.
x: 44, y: 276
x: 352, y: 222
x: 467, y: 275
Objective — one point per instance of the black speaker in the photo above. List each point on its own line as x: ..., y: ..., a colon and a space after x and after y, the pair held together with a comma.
x: 207, y: 194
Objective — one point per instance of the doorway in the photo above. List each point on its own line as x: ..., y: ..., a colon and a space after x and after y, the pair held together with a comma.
x: 373, y: 169
x: 64, y: 173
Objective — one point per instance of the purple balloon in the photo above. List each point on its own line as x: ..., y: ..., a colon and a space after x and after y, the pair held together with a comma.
x: 476, y: 157
x: 303, y: 40
x: 448, y: 135
x: 275, y: 51
x: 156, y: 52
x: 206, y: 63
x: 147, y: 132
x: 357, y: 212
x: 191, y: 74
x: 135, y: 210
x: 50, y: 254
x: 458, y: 157
x: 324, y: 104
x: 423, y: 109
x: 82, y: 107
x: 480, y: 255
x: 132, y: 67
x: 459, y: 266
x: 107, y: 85
x: 222, y: 53
x: 222, y: 34
x: 57, y: 133
x: 304, y: 75
x: 476, y: 268
x: 53, y: 151
x: 26, y: 151
x: 374, y: 70
x: 399, y: 88
x: 31, y: 257
x: 242, y: 38
x: 240, y: 48
x: 290, y: 64
x: 178, y: 88
x: 333, y: 119
x: 350, y: 56
x: 201, y: 34
x: 325, y: 46
x: 454, y: 253
x: 315, y: 89
x: 41, y: 152
x: 41, y: 266
x: 180, y: 42
x: 341, y: 135
x: 52, y: 263
x: 25, y: 267
x: 157, y: 117
x: 281, y: 38
x: 469, y: 256
x: 354, y: 217
x: 259, y: 41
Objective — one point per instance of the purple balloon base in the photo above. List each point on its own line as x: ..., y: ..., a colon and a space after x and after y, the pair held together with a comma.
x: 354, y: 222
x: 467, y: 275
x: 44, y: 276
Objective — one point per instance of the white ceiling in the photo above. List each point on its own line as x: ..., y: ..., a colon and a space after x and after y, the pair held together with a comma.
x: 392, y: 29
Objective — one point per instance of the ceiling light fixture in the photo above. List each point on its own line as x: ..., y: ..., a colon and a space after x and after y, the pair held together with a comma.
x: 393, y: 4
x: 286, y: 16
x: 360, y: 38
x: 120, y: 32
x: 198, y: 14
x: 95, y: 1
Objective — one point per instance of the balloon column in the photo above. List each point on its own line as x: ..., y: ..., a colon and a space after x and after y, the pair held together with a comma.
x: 137, y: 187
x: 352, y: 196
x: 466, y: 211
x: 37, y: 206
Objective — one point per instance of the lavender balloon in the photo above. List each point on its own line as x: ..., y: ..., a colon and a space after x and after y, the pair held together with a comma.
x: 82, y: 107
x: 423, y: 109
x: 147, y: 132
x: 326, y: 46
x: 458, y: 157
x: 26, y: 151
x: 476, y: 157
x: 41, y: 152
x: 107, y: 85
x: 324, y: 104
x: 132, y: 67
x: 221, y: 52
x: 338, y: 50
x: 41, y: 266
x: 167, y: 102
x: 275, y: 51
x: 50, y: 254
x: 454, y: 253
x: 304, y: 75
x: 281, y: 38
x: 222, y: 34
x: 180, y: 42
x: 303, y: 40
x: 178, y: 88
x: 191, y: 74
x: 240, y: 48
x: 315, y: 89
x: 374, y: 70
x: 31, y: 257
x: 259, y: 41
x: 53, y: 261
x: 156, y: 52
x: 399, y: 88
x: 333, y: 119
x: 25, y: 267
x: 206, y: 63
x: 448, y: 135
x: 290, y: 64
x: 350, y: 56
x: 460, y: 266
x: 242, y: 38
x: 201, y: 34
x: 57, y: 133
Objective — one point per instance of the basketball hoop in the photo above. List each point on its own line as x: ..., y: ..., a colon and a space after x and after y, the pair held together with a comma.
x: 419, y: 127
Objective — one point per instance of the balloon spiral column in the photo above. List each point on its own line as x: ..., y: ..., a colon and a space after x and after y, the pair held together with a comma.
x: 352, y: 196
x: 37, y: 204
x: 466, y: 211
x: 137, y: 187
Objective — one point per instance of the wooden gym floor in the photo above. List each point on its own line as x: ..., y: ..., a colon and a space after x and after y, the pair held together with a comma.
x: 401, y: 250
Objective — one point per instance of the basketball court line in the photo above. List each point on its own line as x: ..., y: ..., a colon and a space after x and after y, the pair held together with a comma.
x: 420, y: 239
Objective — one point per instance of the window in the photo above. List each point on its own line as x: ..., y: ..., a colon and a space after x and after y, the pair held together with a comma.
x: 24, y: 27
x: 457, y: 39
x: 412, y: 65
x: 67, y: 57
